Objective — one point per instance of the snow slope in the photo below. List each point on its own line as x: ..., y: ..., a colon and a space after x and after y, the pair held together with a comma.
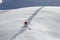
x: 0, y: 1
x: 44, y: 23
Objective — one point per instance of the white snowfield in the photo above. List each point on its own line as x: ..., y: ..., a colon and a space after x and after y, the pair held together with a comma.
x: 44, y: 22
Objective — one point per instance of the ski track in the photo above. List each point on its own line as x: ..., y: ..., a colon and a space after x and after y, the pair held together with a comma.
x: 29, y: 20
x: 44, y: 24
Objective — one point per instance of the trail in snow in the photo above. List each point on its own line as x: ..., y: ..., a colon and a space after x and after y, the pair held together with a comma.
x: 22, y: 30
x: 44, y: 24
x: 29, y: 20
x: 31, y: 17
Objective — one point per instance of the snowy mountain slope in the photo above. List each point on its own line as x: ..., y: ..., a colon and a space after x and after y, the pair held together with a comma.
x: 45, y: 23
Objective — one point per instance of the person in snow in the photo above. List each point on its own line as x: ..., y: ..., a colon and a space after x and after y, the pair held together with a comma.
x: 26, y: 23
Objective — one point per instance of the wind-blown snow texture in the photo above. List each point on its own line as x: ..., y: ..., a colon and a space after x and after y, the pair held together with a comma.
x: 44, y: 23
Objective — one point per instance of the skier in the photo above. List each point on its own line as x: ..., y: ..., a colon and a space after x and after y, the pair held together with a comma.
x: 26, y: 23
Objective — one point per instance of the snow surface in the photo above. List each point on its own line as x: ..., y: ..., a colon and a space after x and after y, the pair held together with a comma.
x: 44, y: 23
x: 0, y: 1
